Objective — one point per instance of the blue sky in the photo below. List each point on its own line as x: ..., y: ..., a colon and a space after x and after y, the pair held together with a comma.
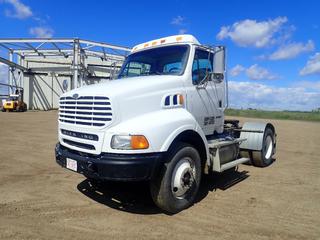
x: 273, y: 46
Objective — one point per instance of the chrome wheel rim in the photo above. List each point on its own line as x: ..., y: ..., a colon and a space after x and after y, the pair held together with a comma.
x: 183, y: 177
x: 268, y: 147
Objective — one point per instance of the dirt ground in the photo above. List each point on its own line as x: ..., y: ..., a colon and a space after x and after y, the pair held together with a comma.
x: 40, y: 200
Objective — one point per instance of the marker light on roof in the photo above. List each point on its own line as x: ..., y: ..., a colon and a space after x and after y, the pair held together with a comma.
x: 168, y: 40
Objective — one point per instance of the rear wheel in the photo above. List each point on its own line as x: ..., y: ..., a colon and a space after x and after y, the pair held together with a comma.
x: 177, y: 186
x: 263, y: 158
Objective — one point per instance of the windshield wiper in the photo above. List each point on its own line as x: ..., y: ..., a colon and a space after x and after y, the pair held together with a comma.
x: 155, y: 73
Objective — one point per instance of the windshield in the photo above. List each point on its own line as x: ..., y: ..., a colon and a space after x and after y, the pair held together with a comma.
x: 170, y: 60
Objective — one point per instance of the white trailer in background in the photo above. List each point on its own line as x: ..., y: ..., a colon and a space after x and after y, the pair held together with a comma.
x: 161, y: 120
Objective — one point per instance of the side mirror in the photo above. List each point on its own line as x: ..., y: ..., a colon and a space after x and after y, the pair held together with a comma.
x: 219, y: 64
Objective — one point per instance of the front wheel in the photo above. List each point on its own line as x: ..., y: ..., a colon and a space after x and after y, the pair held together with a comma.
x: 177, y: 185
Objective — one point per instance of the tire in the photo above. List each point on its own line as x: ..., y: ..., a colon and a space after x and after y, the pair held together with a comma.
x: 263, y: 158
x: 178, y: 183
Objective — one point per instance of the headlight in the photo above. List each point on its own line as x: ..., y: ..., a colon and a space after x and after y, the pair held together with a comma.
x: 129, y: 142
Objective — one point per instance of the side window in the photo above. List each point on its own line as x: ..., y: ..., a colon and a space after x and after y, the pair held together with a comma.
x: 202, y: 64
x: 136, y: 69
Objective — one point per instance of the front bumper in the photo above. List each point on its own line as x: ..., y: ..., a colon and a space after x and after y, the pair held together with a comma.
x: 111, y: 166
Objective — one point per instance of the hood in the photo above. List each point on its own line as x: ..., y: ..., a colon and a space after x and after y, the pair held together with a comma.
x: 126, y: 86
x: 134, y: 96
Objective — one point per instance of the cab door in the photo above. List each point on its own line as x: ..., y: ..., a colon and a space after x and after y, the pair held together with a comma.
x: 205, y: 97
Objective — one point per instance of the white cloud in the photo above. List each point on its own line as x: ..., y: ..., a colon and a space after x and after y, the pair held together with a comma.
x: 256, y: 72
x: 41, y: 32
x: 224, y: 32
x: 179, y: 20
x: 183, y: 31
x: 251, y: 33
x: 236, y: 70
x: 311, y: 85
x: 312, y: 66
x: 20, y: 10
x: 292, y: 50
x: 261, y: 96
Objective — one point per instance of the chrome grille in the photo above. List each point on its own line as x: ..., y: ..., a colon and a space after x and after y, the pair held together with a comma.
x: 85, y: 110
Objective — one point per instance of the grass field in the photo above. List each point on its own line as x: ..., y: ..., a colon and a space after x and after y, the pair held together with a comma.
x: 287, y: 115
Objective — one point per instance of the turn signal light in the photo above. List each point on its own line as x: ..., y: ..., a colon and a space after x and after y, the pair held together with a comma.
x: 139, y: 142
x: 181, y: 99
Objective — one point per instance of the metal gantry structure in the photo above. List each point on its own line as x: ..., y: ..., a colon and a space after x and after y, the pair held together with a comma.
x: 46, y: 49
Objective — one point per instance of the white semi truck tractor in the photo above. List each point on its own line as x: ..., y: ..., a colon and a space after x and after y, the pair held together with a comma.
x: 161, y: 120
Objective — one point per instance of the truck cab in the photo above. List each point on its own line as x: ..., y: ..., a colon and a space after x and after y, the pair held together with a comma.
x: 161, y: 120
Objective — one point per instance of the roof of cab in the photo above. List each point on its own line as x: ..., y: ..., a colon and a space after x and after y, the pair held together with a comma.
x: 185, y: 38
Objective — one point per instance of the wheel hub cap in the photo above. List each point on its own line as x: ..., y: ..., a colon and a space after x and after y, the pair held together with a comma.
x: 182, y: 178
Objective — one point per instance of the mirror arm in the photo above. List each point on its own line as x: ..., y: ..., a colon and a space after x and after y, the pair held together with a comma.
x: 203, y: 83
x: 217, y: 77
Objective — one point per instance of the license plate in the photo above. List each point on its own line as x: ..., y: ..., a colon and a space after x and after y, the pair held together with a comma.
x: 72, y: 164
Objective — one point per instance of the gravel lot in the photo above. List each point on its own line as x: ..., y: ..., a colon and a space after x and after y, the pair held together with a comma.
x: 40, y: 200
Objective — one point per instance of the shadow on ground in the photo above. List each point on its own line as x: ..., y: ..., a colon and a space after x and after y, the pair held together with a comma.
x: 134, y: 197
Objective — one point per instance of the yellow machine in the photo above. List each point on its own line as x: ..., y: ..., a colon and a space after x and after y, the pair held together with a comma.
x: 15, y: 103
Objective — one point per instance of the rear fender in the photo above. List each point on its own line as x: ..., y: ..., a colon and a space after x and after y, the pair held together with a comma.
x: 255, y: 139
